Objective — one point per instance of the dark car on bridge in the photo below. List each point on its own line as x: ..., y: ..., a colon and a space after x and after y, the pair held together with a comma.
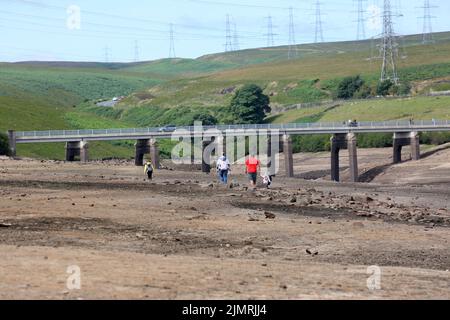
x: 352, y: 123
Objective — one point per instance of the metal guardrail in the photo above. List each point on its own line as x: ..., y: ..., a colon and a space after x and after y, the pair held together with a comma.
x: 291, y: 126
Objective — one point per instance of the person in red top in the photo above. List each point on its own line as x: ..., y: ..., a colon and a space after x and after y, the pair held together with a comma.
x: 252, y: 165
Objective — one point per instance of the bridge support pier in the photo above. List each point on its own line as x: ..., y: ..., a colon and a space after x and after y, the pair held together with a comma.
x: 288, y: 155
x: 221, y: 145
x: 77, y: 148
x: 12, y: 142
x: 402, y: 139
x: 154, y: 153
x: 344, y: 141
x: 142, y: 147
x: 147, y: 146
x: 206, y: 156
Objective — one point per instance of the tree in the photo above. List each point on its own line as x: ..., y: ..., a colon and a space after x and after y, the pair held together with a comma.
x: 4, y: 145
x: 249, y: 105
x: 206, y: 119
x: 349, y: 86
x: 384, y: 87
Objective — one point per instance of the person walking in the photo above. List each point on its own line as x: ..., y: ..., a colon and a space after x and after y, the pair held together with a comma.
x: 252, y: 165
x: 148, y: 169
x: 223, y: 168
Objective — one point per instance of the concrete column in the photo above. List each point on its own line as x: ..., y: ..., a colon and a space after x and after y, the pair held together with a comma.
x: 288, y: 155
x: 72, y: 150
x: 154, y: 153
x: 402, y: 139
x: 344, y: 141
x: 84, y: 152
x: 192, y: 151
x: 206, y: 157
x: 353, y: 157
x: 415, y: 146
x: 12, y: 142
x: 221, y: 146
x: 336, y: 144
x: 273, y: 150
x: 142, y: 148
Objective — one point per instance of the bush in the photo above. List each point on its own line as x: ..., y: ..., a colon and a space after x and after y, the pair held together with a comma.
x: 206, y: 118
x: 4, y: 145
x: 314, y: 143
x: 384, y: 87
x: 435, y: 138
x: 374, y: 140
x: 404, y: 89
x: 363, y: 93
x: 349, y: 86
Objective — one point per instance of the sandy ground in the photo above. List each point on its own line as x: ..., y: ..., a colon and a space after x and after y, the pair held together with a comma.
x: 183, y: 236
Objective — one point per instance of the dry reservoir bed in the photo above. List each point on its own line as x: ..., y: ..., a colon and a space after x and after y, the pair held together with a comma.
x: 184, y: 237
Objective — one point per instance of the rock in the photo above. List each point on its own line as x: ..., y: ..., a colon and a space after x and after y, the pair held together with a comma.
x: 269, y: 215
x: 5, y: 225
x: 293, y: 200
x: 313, y: 253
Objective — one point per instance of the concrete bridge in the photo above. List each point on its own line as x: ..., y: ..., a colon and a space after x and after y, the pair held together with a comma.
x: 343, y: 136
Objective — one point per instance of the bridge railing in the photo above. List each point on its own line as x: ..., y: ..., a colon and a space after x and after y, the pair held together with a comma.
x: 305, y: 126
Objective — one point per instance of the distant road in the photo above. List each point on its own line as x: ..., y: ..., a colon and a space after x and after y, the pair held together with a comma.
x: 109, y: 103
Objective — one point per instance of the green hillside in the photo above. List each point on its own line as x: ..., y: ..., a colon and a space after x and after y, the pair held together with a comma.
x: 61, y: 95
x: 42, y: 96
x: 311, y: 77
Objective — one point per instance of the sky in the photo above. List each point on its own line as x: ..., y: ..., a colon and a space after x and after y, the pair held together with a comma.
x: 132, y: 30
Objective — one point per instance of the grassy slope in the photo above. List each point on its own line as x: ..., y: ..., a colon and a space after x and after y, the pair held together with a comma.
x: 419, y: 108
x: 39, y: 96
x: 305, y: 79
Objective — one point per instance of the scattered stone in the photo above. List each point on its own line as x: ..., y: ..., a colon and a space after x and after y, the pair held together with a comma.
x: 269, y: 215
x: 5, y: 225
x: 358, y: 225
x: 293, y: 200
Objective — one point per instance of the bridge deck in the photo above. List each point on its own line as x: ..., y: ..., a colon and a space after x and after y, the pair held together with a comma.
x: 230, y: 130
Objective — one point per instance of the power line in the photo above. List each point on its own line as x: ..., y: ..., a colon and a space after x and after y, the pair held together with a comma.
x: 427, y: 36
x: 361, y: 30
x: 389, y: 47
x: 172, y: 53
x: 236, y: 45
x: 136, y: 51
x: 293, y: 52
x: 319, y: 29
x: 228, y: 35
x: 270, y: 35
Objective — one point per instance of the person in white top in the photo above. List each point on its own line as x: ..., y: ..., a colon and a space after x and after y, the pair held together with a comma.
x: 223, y: 168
